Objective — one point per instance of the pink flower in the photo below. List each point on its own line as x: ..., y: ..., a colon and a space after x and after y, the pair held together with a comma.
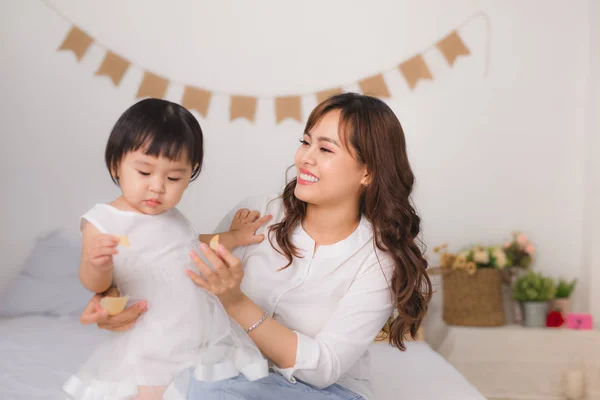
x: 522, y: 239
x: 529, y: 249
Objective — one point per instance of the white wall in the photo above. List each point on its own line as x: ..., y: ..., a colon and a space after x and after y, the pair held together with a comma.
x: 592, y: 214
x: 491, y: 154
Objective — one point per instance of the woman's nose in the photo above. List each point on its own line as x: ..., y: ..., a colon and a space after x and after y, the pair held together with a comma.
x: 308, y: 157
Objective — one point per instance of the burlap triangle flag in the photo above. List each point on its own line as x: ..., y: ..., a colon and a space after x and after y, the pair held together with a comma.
x: 242, y: 107
x: 288, y: 107
x: 414, y: 70
x: 195, y: 98
x: 114, y: 67
x: 77, y: 41
x: 325, y: 94
x: 152, y: 86
x: 375, y: 86
x: 452, y: 46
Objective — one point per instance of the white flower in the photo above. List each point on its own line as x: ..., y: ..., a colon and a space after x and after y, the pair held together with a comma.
x: 481, y: 256
x: 500, y: 257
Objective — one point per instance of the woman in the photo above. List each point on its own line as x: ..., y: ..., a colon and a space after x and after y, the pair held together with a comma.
x: 341, y: 254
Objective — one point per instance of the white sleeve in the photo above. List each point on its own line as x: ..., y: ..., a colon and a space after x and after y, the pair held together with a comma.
x: 362, y: 312
x: 257, y: 203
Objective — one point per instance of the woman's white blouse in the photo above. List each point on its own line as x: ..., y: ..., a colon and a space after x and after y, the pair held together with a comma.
x: 335, y: 299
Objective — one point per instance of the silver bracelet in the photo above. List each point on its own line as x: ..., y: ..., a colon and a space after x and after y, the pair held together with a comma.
x: 257, y: 323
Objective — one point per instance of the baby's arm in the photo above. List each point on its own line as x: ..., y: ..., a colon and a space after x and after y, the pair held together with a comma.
x: 242, y: 231
x: 96, y: 267
x: 224, y: 238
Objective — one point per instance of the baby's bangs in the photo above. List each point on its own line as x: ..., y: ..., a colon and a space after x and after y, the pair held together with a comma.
x: 168, y: 146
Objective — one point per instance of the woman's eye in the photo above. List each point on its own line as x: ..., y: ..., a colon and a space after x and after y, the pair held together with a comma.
x: 326, y: 150
x: 304, y: 142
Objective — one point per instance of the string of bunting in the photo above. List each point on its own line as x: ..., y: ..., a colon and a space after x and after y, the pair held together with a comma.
x: 414, y: 69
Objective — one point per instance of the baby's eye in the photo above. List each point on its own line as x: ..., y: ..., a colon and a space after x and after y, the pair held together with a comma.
x: 174, y: 179
x: 144, y: 173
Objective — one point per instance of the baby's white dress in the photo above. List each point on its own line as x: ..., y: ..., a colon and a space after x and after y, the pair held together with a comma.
x: 185, y: 330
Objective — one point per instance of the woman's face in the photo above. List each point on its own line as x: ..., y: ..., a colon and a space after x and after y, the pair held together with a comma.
x: 328, y: 173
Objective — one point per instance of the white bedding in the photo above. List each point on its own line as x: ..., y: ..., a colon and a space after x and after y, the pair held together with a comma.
x: 37, y: 354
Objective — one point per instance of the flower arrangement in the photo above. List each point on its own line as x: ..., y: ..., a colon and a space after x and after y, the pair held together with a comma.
x: 471, y: 259
x: 533, y: 286
x: 519, y: 251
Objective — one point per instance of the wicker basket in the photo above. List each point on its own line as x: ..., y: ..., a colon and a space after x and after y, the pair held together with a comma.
x: 473, y: 300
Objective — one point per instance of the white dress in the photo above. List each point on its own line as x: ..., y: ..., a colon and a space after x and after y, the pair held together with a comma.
x: 185, y: 330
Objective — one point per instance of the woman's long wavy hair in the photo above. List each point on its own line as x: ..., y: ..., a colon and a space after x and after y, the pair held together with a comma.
x: 373, y: 131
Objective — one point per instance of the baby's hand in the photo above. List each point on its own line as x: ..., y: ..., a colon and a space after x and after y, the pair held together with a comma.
x: 244, y: 226
x: 101, y: 250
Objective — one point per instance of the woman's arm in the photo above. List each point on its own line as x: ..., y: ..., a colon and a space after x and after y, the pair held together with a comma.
x: 361, y: 313
x: 274, y: 340
x: 318, y: 360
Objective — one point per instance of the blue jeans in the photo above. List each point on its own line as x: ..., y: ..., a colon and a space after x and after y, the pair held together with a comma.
x: 272, y: 387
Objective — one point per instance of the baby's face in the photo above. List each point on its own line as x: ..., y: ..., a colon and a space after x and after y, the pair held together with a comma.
x: 152, y: 185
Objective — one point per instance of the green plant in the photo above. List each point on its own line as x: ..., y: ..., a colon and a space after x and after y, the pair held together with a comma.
x: 533, y: 286
x: 565, y: 288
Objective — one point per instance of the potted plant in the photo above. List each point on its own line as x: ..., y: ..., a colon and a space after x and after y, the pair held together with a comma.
x: 520, y: 256
x: 534, y: 291
x: 562, y: 298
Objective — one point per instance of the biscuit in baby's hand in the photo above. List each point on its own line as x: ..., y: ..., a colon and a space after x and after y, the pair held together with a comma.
x: 114, y: 305
x: 214, y: 242
x: 123, y: 240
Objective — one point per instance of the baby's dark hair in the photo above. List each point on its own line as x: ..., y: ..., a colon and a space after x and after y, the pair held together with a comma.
x: 160, y: 128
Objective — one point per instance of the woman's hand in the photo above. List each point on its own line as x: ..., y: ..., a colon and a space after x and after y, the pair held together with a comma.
x: 224, y: 282
x: 125, y: 320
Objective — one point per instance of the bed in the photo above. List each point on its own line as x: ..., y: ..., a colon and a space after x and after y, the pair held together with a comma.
x: 40, y: 352
x: 42, y: 342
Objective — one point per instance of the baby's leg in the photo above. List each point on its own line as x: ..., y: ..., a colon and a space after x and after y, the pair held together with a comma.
x: 150, y: 392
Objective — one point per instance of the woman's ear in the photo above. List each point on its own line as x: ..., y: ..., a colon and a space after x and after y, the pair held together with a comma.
x: 366, y: 180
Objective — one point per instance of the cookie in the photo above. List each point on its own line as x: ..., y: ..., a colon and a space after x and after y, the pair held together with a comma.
x: 114, y: 305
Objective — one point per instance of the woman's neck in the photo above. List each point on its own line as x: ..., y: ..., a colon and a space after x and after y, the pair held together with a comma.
x: 330, y: 225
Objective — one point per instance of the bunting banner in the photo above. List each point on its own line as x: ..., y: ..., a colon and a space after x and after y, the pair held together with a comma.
x: 414, y: 70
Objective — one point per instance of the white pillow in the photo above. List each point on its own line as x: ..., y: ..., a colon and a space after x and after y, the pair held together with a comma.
x: 55, y: 256
x: 32, y: 296
x: 48, y: 283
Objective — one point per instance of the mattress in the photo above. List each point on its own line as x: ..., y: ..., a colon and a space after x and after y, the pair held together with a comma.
x: 39, y: 353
